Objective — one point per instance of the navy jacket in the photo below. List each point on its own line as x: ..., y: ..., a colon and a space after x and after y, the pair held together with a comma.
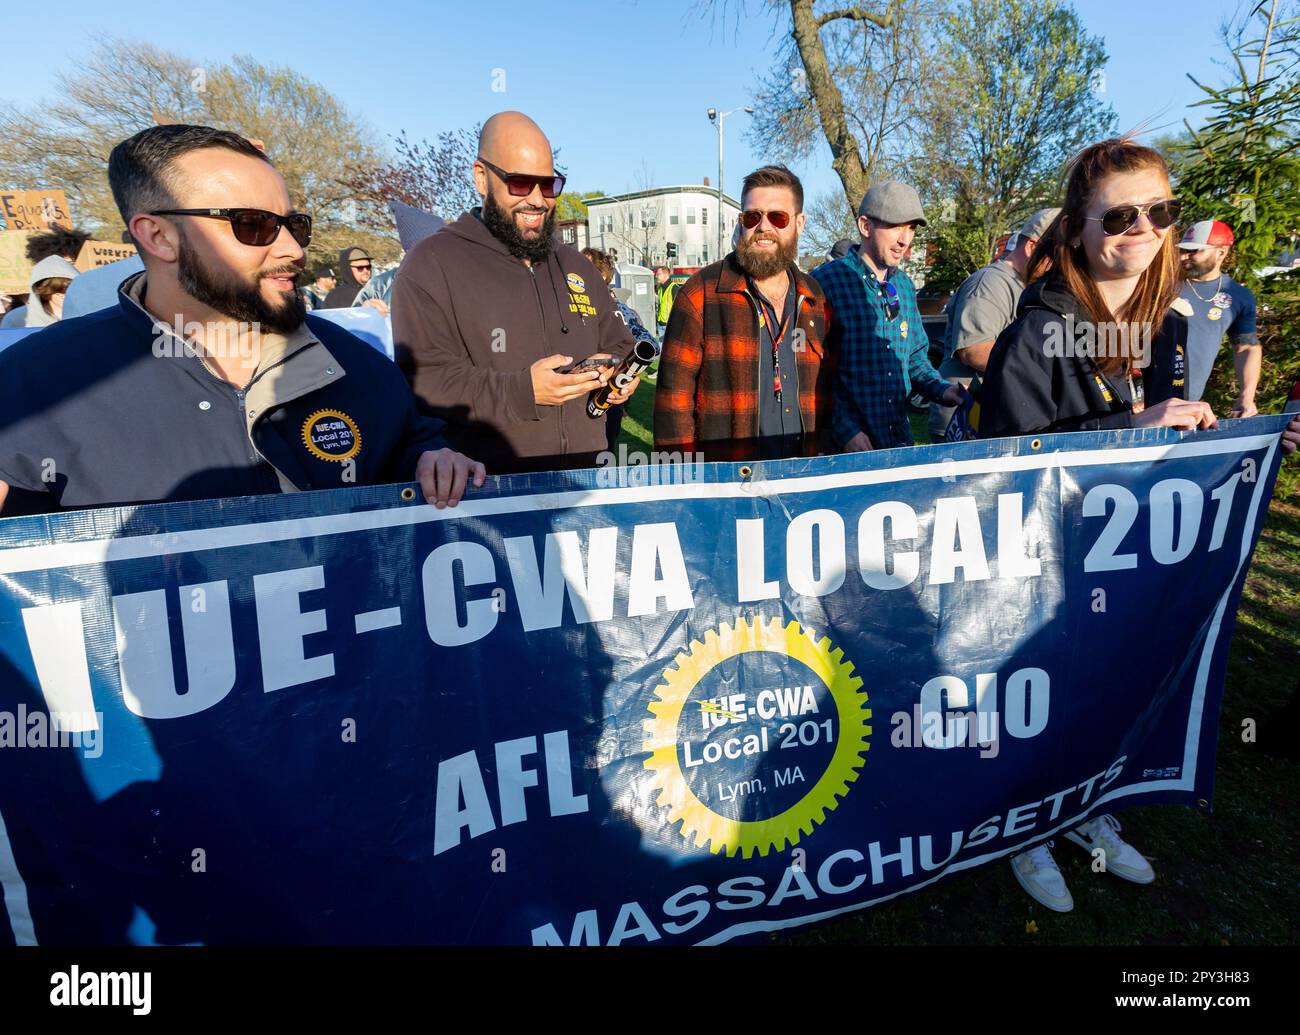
x: 103, y: 409
x: 1040, y: 378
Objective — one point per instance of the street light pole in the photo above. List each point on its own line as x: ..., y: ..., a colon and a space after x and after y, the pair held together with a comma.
x: 717, y: 117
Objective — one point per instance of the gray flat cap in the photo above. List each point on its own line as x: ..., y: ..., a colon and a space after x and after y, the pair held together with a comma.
x: 1036, y: 225
x: 892, y: 202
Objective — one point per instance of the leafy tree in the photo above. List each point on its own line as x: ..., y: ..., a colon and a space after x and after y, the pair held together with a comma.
x: 1016, y: 89
x: 848, y: 78
x: 1243, y: 164
x: 126, y: 86
x: 978, y: 105
x: 574, y: 206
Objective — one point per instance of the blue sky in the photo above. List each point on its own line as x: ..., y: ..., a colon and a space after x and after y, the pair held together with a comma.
x: 621, y: 86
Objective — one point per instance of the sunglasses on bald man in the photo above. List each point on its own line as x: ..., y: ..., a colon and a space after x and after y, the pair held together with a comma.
x: 521, y: 184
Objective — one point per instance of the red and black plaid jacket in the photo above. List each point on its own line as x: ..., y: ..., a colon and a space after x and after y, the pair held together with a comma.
x: 707, y: 396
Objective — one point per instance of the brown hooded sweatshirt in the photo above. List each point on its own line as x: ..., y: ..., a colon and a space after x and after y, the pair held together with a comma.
x: 469, y: 319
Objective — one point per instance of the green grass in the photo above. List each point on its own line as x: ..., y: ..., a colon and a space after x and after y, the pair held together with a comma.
x: 638, y: 418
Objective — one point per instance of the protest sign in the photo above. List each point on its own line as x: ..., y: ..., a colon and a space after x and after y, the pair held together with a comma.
x: 672, y: 704
x: 34, y: 209
x: 15, y: 269
x: 102, y: 253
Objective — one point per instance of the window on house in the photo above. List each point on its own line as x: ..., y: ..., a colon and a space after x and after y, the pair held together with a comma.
x: 690, y: 215
x: 704, y: 217
x: 672, y: 217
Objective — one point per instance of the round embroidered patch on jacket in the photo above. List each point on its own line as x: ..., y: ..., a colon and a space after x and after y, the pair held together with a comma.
x: 331, y: 435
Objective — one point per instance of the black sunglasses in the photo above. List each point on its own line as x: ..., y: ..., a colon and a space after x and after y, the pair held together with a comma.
x: 1120, y: 219
x: 252, y: 226
x: 521, y: 184
x: 889, y: 294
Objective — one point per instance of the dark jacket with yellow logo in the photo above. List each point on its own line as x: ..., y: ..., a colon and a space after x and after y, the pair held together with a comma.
x: 1043, y: 376
x: 469, y: 320
x: 110, y: 408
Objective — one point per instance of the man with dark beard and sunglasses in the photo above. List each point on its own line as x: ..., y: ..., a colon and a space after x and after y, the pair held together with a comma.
x: 490, y: 313
x: 207, y: 379
x: 745, y: 374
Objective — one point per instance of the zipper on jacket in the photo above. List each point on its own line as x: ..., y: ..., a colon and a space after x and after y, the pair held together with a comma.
x: 541, y: 313
x: 243, y: 420
x: 758, y: 372
x: 798, y: 301
x: 241, y: 394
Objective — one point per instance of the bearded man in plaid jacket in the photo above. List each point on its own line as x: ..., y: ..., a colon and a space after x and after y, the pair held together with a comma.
x: 745, y: 374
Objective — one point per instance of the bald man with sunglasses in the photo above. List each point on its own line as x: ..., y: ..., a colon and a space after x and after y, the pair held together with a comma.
x: 503, y: 331
x: 208, y: 379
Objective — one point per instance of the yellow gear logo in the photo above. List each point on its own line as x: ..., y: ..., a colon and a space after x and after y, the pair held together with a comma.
x: 701, y: 824
x: 331, y: 435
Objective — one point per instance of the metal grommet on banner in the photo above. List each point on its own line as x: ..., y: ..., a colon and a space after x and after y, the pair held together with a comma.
x: 408, y: 493
x: 1036, y: 444
x: 1202, y: 803
x: 746, y: 471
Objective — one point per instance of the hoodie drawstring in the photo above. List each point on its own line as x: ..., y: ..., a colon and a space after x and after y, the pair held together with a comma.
x: 559, y: 302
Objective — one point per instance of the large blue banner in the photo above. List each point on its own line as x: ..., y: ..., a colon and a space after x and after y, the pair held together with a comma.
x: 674, y: 704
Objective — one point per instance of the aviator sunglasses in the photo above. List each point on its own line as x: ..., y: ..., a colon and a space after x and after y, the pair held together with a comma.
x: 252, y: 226
x: 751, y: 219
x: 521, y: 184
x: 1120, y: 219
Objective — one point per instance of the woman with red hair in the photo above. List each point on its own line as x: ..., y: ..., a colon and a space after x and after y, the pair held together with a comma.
x: 1099, y: 341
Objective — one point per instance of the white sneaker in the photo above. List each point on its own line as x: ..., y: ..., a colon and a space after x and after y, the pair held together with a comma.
x: 1121, y: 858
x: 1039, y: 875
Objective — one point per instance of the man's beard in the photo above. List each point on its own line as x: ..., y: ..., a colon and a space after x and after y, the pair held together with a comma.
x: 760, y: 263
x: 233, y: 297
x: 1194, y: 269
x: 501, y: 224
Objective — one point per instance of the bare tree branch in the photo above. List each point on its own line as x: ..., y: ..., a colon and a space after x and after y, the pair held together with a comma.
x: 882, y: 21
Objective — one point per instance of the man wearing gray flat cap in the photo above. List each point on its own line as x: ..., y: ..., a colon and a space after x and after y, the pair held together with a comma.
x: 983, y: 307
x: 875, y: 327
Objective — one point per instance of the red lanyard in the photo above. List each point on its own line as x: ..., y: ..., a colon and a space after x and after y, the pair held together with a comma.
x: 763, y: 306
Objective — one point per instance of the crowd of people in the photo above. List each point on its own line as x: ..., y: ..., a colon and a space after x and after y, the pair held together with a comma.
x: 206, y: 374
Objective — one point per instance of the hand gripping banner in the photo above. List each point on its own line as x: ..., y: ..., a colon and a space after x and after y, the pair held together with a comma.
x: 682, y: 703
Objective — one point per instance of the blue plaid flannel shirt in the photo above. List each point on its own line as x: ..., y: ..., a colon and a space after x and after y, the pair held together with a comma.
x: 879, y: 362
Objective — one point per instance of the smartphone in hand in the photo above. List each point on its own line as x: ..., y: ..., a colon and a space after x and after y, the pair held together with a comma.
x: 590, y: 363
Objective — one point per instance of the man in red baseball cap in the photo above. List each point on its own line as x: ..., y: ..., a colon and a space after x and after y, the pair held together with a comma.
x: 1220, y: 307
